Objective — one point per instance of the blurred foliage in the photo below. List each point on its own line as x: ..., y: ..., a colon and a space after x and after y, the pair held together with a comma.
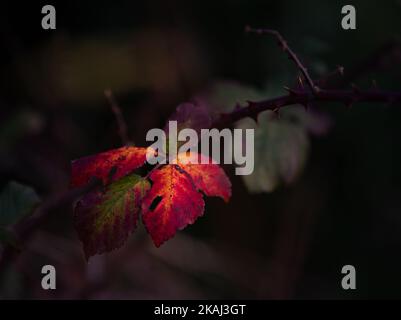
x: 281, y: 140
x: 78, y: 70
x: 281, y: 149
x: 23, y: 123
x: 16, y: 202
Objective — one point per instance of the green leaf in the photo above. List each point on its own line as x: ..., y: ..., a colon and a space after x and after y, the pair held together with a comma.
x: 281, y: 149
x: 16, y: 202
x: 104, y: 218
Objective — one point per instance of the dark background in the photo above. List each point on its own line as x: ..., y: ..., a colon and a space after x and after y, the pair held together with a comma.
x: 292, y: 243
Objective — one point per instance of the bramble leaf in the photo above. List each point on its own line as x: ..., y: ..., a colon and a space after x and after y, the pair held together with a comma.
x: 105, y: 218
x: 209, y: 177
x: 281, y: 146
x: 172, y: 203
x: 108, y: 166
x: 281, y: 150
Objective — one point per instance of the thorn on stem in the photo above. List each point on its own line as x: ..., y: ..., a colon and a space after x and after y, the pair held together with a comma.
x: 306, y: 106
x: 276, y: 113
x: 251, y: 104
x: 300, y: 82
x: 290, y: 91
x: 255, y: 117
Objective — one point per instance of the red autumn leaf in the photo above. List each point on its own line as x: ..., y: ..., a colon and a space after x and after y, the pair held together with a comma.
x: 171, y: 204
x: 210, y: 177
x: 105, y: 218
x: 108, y: 166
x: 174, y: 201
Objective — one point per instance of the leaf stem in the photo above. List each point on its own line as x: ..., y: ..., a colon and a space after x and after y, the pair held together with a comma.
x: 122, y: 126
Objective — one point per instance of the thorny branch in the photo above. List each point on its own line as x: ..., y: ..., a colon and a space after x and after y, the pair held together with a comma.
x: 291, y: 55
x: 301, y: 95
